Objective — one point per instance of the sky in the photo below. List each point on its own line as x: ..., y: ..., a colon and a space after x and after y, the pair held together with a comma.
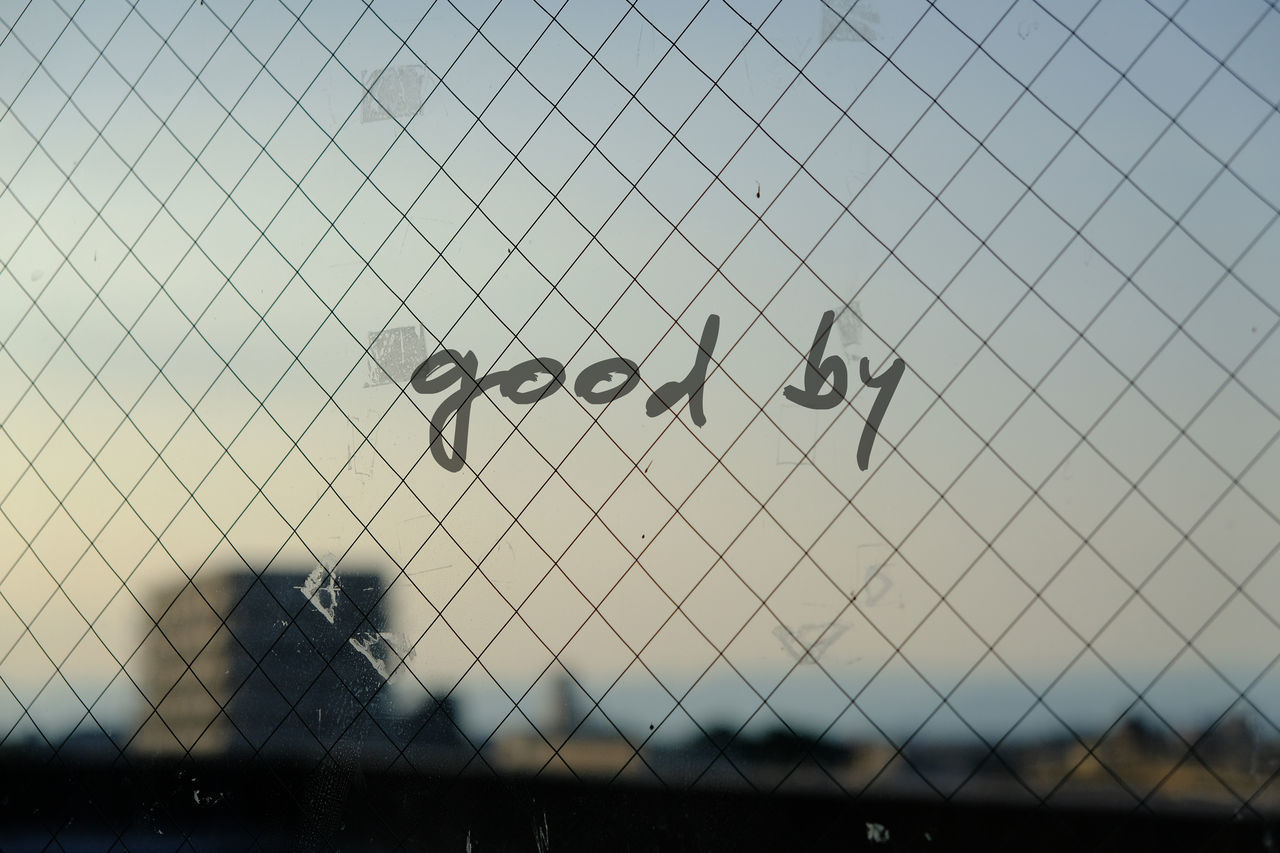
x: 230, y: 231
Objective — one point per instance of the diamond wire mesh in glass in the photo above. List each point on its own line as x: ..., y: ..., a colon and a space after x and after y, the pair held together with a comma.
x: 258, y: 254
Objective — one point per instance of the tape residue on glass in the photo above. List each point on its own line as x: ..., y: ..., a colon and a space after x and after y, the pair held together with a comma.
x: 826, y: 381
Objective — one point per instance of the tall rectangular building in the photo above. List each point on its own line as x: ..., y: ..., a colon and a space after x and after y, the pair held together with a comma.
x: 281, y: 664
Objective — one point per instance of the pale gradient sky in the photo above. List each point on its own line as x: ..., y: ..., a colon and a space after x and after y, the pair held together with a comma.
x: 1061, y: 216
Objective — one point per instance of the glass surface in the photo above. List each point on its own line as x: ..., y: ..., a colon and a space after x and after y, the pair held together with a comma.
x: 829, y: 397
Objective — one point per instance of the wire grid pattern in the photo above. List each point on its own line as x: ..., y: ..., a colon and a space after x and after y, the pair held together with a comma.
x: 1095, y: 464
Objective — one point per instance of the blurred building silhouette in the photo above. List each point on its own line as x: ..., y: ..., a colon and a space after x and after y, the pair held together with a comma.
x: 283, y: 664
x: 573, y: 740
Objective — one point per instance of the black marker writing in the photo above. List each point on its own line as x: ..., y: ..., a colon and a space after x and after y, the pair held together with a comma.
x: 820, y: 370
x: 428, y: 379
x: 668, y: 395
x: 605, y: 381
x: 887, y: 382
x: 602, y: 371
